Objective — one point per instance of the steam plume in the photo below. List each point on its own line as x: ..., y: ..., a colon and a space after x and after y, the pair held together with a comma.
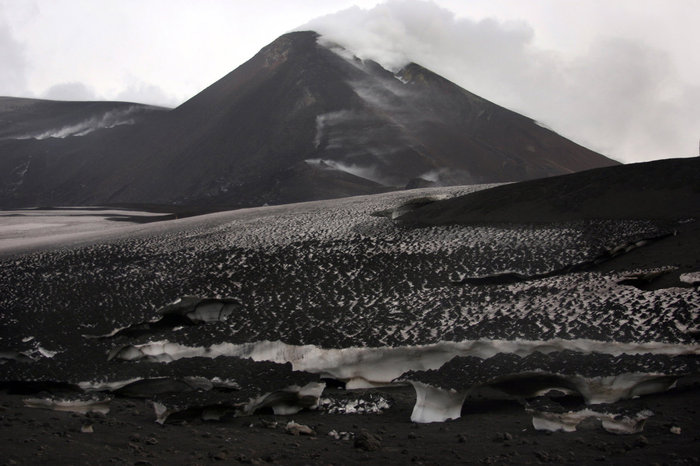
x: 619, y: 98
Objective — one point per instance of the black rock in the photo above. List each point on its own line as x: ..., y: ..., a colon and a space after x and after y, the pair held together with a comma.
x: 367, y: 441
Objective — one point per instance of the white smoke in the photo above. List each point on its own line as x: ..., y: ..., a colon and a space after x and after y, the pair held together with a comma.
x: 366, y: 172
x: 107, y: 120
x: 620, y: 98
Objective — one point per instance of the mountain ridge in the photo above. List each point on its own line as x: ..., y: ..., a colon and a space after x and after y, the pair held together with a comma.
x: 298, y: 121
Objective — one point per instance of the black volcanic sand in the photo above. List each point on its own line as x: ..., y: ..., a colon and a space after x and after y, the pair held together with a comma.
x: 489, y: 432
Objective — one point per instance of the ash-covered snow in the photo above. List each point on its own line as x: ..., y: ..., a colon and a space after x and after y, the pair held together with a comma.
x: 334, y: 290
x: 569, y: 421
x: 26, y: 230
x: 691, y: 278
x: 371, y: 404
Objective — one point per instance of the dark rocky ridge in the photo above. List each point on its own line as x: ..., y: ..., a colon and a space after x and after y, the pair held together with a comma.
x: 299, y: 121
x: 661, y: 190
x: 665, y: 191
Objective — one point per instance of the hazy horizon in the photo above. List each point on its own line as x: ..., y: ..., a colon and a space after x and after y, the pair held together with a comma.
x: 615, y: 77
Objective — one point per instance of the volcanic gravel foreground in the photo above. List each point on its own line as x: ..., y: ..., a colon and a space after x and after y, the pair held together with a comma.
x: 328, y: 333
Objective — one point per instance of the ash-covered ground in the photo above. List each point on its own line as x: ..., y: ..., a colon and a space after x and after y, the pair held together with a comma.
x: 314, y: 312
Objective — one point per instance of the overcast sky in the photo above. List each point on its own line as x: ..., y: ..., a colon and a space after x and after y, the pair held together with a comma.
x: 619, y: 76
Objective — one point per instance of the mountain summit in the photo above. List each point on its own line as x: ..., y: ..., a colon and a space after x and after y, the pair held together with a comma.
x: 299, y: 121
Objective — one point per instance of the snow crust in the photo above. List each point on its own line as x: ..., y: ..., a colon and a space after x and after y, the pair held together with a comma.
x: 609, y: 389
x: 384, y: 364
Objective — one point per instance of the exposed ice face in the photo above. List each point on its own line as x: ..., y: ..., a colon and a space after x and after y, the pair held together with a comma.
x: 434, y: 404
x: 290, y: 400
x: 367, y: 367
x: 610, y: 389
x: 384, y: 364
x: 569, y: 421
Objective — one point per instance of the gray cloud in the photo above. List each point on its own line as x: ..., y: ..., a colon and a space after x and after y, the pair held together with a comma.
x: 14, y: 64
x: 135, y: 91
x: 146, y: 93
x: 619, y: 97
x: 70, y: 91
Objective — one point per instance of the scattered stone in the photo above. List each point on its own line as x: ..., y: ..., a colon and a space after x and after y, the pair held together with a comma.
x: 676, y: 430
x: 298, y: 429
x: 340, y: 435
x: 86, y: 429
x: 641, y: 441
x: 151, y: 441
x: 502, y: 436
x: 368, y: 442
x: 268, y: 424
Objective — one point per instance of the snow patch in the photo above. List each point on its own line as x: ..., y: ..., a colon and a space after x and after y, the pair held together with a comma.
x: 434, y: 404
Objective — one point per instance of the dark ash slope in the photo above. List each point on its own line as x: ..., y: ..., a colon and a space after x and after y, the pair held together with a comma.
x: 661, y: 190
